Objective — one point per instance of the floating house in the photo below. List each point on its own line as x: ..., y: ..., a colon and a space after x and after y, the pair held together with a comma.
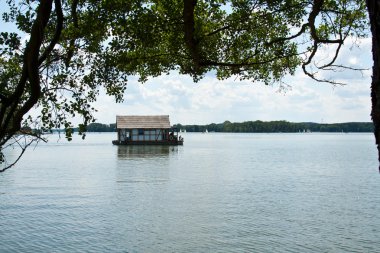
x: 146, y: 130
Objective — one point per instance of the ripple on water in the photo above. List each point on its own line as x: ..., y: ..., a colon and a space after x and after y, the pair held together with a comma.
x: 217, y: 193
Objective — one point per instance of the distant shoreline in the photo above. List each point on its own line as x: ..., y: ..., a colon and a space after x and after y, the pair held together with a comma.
x: 278, y: 126
x: 258, y: 127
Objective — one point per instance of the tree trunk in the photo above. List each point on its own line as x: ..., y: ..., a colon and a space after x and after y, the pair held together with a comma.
x: 374, y: 18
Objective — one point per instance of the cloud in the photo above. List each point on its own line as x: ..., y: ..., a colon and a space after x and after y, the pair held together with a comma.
x: 212, y: 100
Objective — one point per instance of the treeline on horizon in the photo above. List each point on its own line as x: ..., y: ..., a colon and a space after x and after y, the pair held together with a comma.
x: 258, y: 127
x: 278, y: 126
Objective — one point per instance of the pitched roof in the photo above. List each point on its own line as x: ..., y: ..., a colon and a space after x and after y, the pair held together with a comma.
x: 145, y: 122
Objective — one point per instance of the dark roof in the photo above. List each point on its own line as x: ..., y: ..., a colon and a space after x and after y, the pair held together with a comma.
x: 144, y: 122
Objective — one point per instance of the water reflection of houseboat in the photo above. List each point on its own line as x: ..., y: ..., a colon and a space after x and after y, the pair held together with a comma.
x: 146, y: 130
x: 144, y: 151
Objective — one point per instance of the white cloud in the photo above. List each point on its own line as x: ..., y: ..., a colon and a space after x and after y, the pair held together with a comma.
x: 215, y: 101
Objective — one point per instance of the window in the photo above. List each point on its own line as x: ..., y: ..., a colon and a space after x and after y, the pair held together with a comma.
x: 141, y: 131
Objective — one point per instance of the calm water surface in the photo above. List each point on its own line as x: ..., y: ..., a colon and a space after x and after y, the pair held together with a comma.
x: 217, y: 193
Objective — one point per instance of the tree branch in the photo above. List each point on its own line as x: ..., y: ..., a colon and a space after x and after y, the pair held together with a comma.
x: 57, y: 34
x: 74, y: 14
x: 23, y: 149
x: 30, y: 72
x: 189, y: 29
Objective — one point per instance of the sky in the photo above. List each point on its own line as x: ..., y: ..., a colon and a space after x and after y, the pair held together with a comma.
x: 214, y: 101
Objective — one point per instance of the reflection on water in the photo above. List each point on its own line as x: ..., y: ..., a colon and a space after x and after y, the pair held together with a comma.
x: 145, y: 151
x: 218, y: 193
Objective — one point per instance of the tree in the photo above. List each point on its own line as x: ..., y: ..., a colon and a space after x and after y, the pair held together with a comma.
x: 77, y: 46
x: 374, y: 14
x: 59, y: 70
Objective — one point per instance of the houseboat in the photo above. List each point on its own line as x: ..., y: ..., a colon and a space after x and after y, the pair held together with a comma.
x: 146, y: 130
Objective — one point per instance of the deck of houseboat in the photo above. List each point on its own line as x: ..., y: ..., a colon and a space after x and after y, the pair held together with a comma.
x: 164, y: 142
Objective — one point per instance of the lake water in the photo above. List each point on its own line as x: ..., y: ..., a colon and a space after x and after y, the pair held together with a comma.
x: 217, y: 193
